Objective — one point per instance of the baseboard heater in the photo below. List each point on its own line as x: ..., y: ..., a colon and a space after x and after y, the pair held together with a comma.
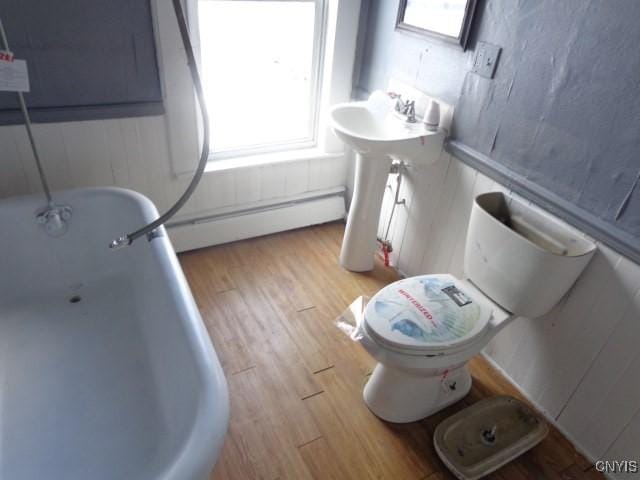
x: 260, y: 218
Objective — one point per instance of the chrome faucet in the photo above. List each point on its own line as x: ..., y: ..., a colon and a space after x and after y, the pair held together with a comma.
x: 407, y: 109
x: 54, y: 219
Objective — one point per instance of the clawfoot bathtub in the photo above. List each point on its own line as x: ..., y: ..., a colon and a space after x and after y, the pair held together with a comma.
x: 106, y: 369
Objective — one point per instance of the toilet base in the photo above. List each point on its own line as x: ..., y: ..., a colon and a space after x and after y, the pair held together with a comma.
x: 401, y: 396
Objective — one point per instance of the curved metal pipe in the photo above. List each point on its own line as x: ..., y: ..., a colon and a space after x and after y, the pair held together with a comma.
x: 128, y: 239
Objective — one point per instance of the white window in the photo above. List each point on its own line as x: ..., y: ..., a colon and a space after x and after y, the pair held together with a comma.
x: 261, y: 63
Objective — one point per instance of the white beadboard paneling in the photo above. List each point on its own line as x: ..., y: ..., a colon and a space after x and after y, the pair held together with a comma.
x: 182, y: 131
x: 88, y: 151
x: 626, y: 446
x: 132, y: 150
x: 247, y: 185
x: 456, y: 221
x: 116, y: 153
x: 218, y: 190
x: 194, y: 204
x: 613, y: 304
x: 53, y: 153
x: 156, y: 161
x: 531, y: 360
x: 406, y: 213
x: 326, y: 173
x: 441, y: 218
x: 622, y: 405
x: 504, y: 348
x: 272, y: 181
x: 615, y: 374
x: 25, y: 155
x: 13, y: 178
x: 565, y: 336
x: 134, y: 153
x: 595, y: 296
x: 296, y: 178
x: 426, y: 183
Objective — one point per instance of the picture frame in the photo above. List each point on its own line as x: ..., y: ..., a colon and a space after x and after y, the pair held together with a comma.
x: 448, y: 21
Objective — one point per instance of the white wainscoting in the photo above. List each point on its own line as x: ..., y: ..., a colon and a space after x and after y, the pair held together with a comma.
x: 580, y: 363
x: 134, y: 153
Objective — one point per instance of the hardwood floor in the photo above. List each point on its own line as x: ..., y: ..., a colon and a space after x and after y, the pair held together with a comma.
x: 296, y: 381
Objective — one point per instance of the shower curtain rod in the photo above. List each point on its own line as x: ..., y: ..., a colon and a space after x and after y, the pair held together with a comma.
x: 27, y: 124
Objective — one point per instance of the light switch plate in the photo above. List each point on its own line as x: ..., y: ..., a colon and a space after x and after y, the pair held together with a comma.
x: 486, y: 59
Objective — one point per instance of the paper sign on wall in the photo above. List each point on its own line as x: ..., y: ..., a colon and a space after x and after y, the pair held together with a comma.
x: 14, y: 76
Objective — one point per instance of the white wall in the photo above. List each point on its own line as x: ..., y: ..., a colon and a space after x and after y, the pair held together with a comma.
x: 581, y: 363
x: 154, y: 155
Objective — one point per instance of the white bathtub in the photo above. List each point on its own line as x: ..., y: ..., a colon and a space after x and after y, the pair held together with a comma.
x: 122, y: 384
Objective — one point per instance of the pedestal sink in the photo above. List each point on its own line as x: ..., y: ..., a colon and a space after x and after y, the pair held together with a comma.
x: 377, y: 135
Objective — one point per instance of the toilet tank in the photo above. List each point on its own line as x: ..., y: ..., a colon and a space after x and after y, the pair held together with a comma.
x: 521, y: 257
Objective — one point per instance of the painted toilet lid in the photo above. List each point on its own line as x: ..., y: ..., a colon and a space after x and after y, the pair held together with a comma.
x: 425, y: 314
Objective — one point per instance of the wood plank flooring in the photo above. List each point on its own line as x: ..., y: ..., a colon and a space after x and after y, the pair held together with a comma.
x: 296, y: 381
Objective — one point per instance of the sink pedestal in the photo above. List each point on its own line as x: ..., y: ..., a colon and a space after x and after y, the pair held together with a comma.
x: 359, y: 243
x: 374, y: 130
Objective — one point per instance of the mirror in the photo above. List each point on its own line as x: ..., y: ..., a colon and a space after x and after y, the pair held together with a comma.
x: 448, y: 20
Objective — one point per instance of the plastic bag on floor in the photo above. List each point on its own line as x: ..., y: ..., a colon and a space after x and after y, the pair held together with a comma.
x: 351, y: 321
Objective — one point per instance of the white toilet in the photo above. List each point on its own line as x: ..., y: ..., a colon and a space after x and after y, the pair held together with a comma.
x: 519, y: 262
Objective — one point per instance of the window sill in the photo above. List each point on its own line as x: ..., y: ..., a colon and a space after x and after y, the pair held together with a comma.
x: 250, y: 161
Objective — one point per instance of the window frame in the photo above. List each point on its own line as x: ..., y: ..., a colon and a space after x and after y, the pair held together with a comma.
x: 317, y: 70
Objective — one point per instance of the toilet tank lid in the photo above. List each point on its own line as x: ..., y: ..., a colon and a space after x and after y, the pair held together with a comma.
x: 426, y: 313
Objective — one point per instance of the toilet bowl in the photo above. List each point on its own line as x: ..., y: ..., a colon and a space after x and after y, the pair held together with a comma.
x: 519, y: 261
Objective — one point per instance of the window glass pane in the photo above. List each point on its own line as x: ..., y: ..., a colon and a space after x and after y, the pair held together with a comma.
x: 257, y: 66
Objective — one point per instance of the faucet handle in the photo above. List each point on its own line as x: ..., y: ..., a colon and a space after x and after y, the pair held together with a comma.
x: 409, y: 106
x: 410, y: 111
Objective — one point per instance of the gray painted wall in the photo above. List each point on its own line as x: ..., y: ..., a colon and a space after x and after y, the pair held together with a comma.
x: 437, y: 68
x: 563, y: 111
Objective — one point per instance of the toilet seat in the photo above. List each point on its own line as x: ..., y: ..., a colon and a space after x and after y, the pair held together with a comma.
x: 427, y: 315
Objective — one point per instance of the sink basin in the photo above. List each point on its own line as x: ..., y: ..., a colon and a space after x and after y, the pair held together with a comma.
x: 378, y: 135
x: 372, y: 128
